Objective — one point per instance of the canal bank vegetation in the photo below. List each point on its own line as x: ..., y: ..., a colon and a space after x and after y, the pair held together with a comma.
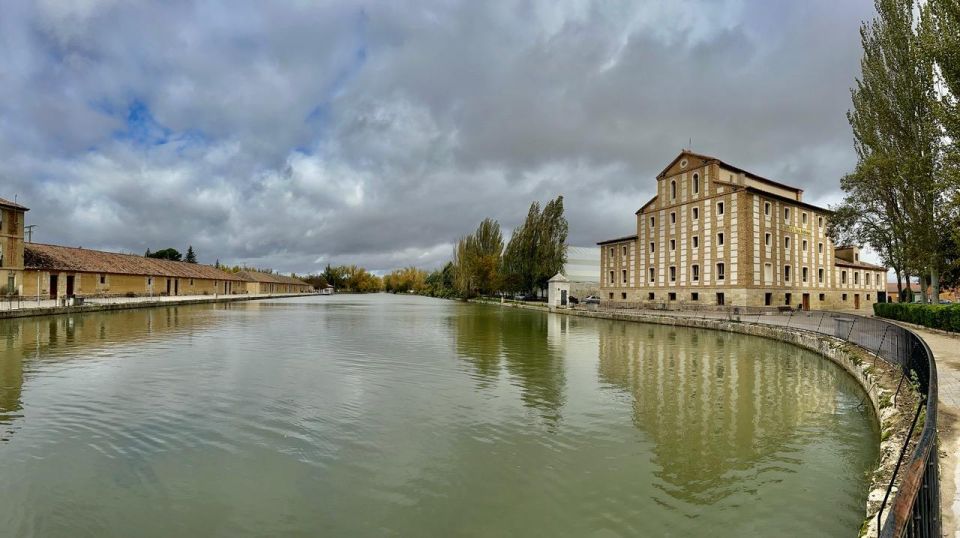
x: 934, y: 316
x: 903, y: 197
x: 346, y: 279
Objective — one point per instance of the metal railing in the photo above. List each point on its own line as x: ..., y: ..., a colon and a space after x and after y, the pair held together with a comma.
x: 913, y: 510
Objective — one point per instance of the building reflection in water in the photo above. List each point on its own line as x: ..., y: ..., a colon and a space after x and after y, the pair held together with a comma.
x: 27, y: 342
x: 716, y: 403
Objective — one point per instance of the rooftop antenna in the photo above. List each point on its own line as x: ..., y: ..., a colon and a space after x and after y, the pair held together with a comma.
x: 29, y: 231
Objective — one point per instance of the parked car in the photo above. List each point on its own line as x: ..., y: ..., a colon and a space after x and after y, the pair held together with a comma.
x: 573, y: 300
x: 591, y: 299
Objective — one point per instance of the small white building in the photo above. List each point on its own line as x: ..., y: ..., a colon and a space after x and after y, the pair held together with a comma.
x: 326, y: 290
x: 558, y: 291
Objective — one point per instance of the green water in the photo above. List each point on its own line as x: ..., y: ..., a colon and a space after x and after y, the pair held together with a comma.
x: 406, y: 416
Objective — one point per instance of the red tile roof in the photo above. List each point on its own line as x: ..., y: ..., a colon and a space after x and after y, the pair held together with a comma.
x: 42, y: 257
x: 269, y: 278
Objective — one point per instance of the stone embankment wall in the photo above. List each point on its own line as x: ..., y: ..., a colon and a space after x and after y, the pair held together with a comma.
x: 128, y: 305
x: 879, y: 379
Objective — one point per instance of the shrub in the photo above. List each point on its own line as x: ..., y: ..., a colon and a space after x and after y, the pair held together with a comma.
x: 945, y: 317
x: 130, y: 294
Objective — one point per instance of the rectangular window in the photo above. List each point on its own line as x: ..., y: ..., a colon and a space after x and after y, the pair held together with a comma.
x: 803, y: 274
x: 623, y: 275
x: 786, y: 273
x: 820, y: 222
x: 767, y: 299
x: 696, y: 241
x: 721, y: 300
x: 766, y: 239
x: 611, y: 295
x: 653, y: 247
x: 843, y: 297
x: 866, y: 277
x: 768, y: 273
x: 611, y: 277
x: 719, y: 208
x: 653, y: 274
x: 623, y: 295
x: 843, y: 277
x: 651, y: 296
x: 823, y: 297
x: 696, y: 213
x: 624, y: 250
x: 673, y: 244
x: 856, y: 278
x: 786, y: 298
x: 803, y: 218
x: 653, y: 222
x: 611, y: 252
x: 720, y: 271
x: 786, y: 243
x: 103, y: 279
x: 694, y: 296
x: 803, y: 246
x: 720, y: 239
x: 820, y: 276
x: 673, y: 217
x: 673, y: 274
x: 766, y: 208
x: 819, y: 248
x: 786, y: 214
x: 695, y: 273
x: 672, y: 296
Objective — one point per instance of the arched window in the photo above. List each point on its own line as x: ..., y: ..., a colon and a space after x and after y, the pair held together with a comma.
x: 673, y: 190
x: 696, y: 183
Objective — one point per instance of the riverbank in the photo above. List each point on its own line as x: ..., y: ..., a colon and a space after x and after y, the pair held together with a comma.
x: 880, y: 380
x: 27, y: 309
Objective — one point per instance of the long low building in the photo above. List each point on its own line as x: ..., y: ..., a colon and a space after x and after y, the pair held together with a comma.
x: 53, y: 271
x: 258, y: 282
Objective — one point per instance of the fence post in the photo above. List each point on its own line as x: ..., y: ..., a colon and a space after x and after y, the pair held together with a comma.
x: 884, y: 337
x: 852, y: 325
x: 790, y: 318
x: 822, y: 314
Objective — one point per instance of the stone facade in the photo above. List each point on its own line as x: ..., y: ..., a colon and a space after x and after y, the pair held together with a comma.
x: 11, y: 247
x: 717, y: 235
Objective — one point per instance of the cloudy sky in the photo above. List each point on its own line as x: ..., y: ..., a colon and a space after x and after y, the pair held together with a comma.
x: 290, y: 134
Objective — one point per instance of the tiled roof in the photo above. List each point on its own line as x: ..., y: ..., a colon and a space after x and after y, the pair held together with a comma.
x: 858, y: 265
x: 618, y: 240
x: 13, y: 205
x: 42, y: 257
x: 269, y: 278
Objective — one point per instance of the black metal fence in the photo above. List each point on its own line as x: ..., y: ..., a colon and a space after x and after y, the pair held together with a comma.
x: 914, y: 509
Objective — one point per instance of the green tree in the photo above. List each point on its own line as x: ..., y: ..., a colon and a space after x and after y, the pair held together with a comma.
x: 191, y: 256
x: 166, y: 254
x: 537, y: 248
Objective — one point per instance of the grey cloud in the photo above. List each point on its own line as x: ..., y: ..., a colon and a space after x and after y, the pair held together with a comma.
x: 290, y: 134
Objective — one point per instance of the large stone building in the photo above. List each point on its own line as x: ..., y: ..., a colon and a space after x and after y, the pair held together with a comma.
x: 11, y: 247
x: 715, y: 234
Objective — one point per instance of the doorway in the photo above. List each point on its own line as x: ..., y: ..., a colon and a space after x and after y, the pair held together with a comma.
x: 563, y: 297
x: 70, y: 280
x: 806, y: 301
x: 856, y: 301
x: 721, y: 299
x: 53, y: 286
x: 176, y: 286
x: 168, y: 287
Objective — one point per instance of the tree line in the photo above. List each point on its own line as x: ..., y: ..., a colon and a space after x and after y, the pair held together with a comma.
x: 483, y: 265
x: 348, y: 278
x: 902, y: 197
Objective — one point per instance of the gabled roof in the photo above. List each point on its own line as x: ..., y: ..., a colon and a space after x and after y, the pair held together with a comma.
x: 646, y: 205
x: 12, y: 205
x: 38, y: 256
x: 269, y: 278
x: 709, y: 160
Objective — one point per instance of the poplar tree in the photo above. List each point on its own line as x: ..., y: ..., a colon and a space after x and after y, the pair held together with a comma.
x: 894, y: 197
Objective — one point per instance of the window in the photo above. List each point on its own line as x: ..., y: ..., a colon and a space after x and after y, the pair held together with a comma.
x: 823, y: 297
x: 866, y: 277
x: 768, y: 272
x: 673, y: 218
x: 766, y: 208
x: 191, y: 282
x: 673, y: 245
x: 856, y: 278
x: 611, y: 252
x: 103, y: 279
x: 719, y: 208
x: 868, y: 296
x: 803, y: 218
x: 786, y: 273
x: 149, y: 281
x: 843, y: 297
x: 673, y: 190
x: 623, y: 275
x: 623, y: 250
x: 720, y: 239
x: 843, y: 277
x: 786, y: 298
x: 820, y: 276
x: 786, y: 214
x: 786, y: 243
x: 720, y: 271
x: 672, y: 296
x: 653, y: 247
x: 766, y: 239
x: 653, y: 274
x: 696, y: 213
x: 820, y: 222
x: 651, y: 296
x: 767, y: 299
x: 721, y: 300
x: 803, y: 274
x: 653, y: 222
x: 696, y: 241
x: 694, y: 296
x: 804, y: 246
x: 695, y: 273
x: 696, y: 183
x: 623, y: 295
x: 611, y: 277
x: 611, y: 295
x: 819, y: 248
x: 673, y: 274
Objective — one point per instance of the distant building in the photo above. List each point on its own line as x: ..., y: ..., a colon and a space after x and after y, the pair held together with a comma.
x: 269, y: 283
x: 715, y: 234
x: 582, y: 270
x: 11, y: 247
x: 327, y: 290
x: 54, y: 271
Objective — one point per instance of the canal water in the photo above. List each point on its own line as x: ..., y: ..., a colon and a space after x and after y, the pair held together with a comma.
x: 406, y: 416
